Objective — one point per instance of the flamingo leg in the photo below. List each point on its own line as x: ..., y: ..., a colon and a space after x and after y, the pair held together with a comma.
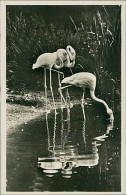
x: 66, y: 86
x: 58, y: 72
x: 71, y: 71
x: 62, y: 127
x: 60, y: 88
x: 68, y: 98
x: 68, y: 119
x: 54, y: 135
x: 45, y: 86
x: 82, y: 105
x: 48, y: 134
x: 83, y: 133
x: 60, y: 91
x: 52, y: 90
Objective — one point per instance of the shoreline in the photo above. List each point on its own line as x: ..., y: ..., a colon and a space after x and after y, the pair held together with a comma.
x: 17, y: 114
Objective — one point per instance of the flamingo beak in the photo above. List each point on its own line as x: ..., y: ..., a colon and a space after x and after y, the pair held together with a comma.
x: 33, y: 67
x: 64, y: 80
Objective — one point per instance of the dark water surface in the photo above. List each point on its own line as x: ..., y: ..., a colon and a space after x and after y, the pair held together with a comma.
x: 63, y: 153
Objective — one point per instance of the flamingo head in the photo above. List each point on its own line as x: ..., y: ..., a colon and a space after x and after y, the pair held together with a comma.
x: 65, y: 80
x: 110, y: 113
x: 34, y: 66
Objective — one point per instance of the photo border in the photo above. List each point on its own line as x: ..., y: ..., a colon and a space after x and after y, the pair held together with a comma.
x: 3, y: 89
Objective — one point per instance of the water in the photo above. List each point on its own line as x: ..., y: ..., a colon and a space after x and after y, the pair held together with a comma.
x: 63, y: 153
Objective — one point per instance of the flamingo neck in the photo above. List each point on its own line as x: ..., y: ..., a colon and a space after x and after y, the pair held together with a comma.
x: 61, y: 61
x: 99, y: 100
x: 58, y: 66
x: 69, y: 54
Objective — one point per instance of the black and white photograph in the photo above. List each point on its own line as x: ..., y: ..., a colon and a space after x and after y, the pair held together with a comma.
x: 63, y: 97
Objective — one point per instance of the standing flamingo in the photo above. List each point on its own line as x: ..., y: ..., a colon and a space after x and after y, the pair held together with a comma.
x: 47, y: 61
x: 86, y: 80
x: 69, y: 63
x: 71, y: 54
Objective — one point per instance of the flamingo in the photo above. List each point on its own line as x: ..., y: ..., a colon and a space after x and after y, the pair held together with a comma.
x: 71, y: 54
x: 47, y: 61
x: 69, y: 63
x: 86, y: 80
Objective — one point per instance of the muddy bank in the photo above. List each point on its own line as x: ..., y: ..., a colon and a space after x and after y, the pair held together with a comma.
x: 21, y: 109
x: 18, y: 114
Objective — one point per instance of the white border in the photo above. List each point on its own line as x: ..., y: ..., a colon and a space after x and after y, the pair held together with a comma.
x: 3, y: 89
x: 123, y: 98
x: 65, y: 2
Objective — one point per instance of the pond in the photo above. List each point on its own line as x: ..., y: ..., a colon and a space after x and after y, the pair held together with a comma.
x: 62, y: 152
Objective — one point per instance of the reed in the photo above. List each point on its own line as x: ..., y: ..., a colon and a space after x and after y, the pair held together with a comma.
x: 101, y: 52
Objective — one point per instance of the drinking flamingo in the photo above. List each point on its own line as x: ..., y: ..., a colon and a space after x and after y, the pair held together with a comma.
x: 86, y: 80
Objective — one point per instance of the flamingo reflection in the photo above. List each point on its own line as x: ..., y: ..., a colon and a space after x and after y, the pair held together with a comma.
x: 65, y: 156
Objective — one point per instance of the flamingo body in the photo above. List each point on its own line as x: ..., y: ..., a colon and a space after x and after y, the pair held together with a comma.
x: 87, y: 80
x: 48, y: 60
x: 45, y: 60
x: 83, y: 80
